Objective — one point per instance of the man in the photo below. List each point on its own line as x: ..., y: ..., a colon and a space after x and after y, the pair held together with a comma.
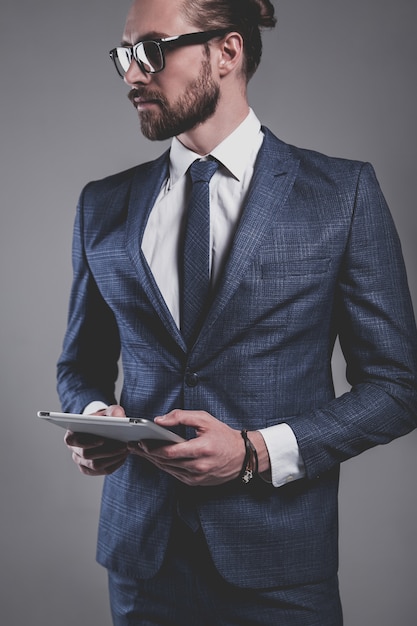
x: 237, y: 525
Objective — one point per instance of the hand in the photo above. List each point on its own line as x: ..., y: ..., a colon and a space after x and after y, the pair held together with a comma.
x: 214, y: 457
x: 97, y: 456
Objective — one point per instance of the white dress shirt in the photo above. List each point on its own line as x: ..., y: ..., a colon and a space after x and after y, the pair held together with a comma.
x: 163, y: 234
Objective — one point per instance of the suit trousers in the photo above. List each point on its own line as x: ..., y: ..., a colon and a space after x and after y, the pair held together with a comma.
x: 188, y: 591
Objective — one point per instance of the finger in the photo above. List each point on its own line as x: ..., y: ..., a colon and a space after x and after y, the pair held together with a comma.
x: 195, y: 419
x: 82, y: 440
x: 181, y: 467
x: 109, y: 449
x: 98, y: 467
x: 163, y: 451
x: 102, y: 471
x: 174, y: 470
x: 190, y: 471
x: 182, y: 473
x: 115, y: 410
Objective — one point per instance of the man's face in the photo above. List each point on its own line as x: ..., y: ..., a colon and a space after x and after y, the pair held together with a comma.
x: 184, y: 94
x: 165, y: 119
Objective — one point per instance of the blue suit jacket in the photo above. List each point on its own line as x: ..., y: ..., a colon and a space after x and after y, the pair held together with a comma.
x: 315, y: 255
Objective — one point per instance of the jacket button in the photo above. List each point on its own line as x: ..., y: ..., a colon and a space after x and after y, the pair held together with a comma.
x: 191, y: 379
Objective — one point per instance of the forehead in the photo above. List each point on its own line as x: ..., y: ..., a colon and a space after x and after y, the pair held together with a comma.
x: 155, y: 17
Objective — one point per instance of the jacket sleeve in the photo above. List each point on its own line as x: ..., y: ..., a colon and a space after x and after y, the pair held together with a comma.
x: 375, y: 323
x: 87, y: 368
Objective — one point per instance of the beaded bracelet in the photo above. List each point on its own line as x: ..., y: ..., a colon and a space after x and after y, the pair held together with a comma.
x: 250, y: 463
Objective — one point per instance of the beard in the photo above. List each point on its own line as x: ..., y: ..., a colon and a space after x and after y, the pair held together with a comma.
x: 195, y: 106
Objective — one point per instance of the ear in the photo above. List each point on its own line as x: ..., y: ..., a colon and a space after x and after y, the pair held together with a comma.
x: 230, y: 53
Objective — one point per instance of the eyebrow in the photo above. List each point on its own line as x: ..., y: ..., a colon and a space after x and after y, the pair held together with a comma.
x: 151, y: 35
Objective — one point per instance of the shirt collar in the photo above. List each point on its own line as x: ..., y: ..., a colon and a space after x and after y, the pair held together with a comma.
x: 234, y: 152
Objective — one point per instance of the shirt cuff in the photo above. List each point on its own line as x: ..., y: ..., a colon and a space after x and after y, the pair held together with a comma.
x: 284, y: 454
x: 93, y: 407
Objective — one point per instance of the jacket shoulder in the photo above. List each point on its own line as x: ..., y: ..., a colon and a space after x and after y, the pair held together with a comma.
x: 313, y: 162
x: 121, y: 182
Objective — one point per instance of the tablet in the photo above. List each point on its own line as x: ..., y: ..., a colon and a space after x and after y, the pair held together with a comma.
x: 120, y: 428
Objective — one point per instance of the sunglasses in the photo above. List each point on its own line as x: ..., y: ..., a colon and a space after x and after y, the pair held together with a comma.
x: 149, y: 55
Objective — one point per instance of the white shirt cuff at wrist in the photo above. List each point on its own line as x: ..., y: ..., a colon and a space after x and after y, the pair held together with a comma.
x: 284, y: 454
x: 93, y: 407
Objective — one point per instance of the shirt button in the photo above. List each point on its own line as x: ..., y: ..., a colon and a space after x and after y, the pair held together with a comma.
x: 191, y: 379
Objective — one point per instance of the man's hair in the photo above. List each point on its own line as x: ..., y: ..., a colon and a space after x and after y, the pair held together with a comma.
x: 246, y: 17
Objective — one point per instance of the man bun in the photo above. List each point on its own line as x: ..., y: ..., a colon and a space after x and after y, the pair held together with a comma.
x: 265, y: 13
x: 246, y: 17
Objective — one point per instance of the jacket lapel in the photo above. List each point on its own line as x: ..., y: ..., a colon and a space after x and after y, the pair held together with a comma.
x: 274, y: 175
x: 275, y: 171
x: 145, y: 188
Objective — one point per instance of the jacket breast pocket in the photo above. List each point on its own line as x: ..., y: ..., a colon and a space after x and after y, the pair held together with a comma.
x: 278, y: 292
x: 298, y: 268
x: 301, y: 289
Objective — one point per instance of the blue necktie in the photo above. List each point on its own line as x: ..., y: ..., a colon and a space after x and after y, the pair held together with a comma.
x: 196, y: 257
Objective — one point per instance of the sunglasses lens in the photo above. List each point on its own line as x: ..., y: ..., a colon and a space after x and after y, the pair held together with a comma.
x: 149, y: 56
x: 122, y: 58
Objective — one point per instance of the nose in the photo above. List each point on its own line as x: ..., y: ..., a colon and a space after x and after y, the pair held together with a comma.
x: 135, y: 75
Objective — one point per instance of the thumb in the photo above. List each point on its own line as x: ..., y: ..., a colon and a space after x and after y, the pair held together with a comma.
x: 115, y: 410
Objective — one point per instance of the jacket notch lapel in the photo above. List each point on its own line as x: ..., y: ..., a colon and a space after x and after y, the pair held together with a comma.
x: 144, y: 191
x: 274, y: 175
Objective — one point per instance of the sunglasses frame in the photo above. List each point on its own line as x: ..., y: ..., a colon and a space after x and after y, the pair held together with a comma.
x: 177, y: 41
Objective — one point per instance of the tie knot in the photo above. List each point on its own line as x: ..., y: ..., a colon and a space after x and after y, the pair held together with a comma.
x: 202, y: 171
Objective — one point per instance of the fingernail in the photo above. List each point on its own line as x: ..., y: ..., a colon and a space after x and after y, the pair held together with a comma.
x: 134, y: 445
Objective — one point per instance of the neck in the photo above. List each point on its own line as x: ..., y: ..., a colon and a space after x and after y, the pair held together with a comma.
x: 206, y: 136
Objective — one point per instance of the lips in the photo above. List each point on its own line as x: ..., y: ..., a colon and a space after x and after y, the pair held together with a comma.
x: 142, y: 100
x: 141, y: 103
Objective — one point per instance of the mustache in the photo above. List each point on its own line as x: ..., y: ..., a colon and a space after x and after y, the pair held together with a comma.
x: 144, y: 94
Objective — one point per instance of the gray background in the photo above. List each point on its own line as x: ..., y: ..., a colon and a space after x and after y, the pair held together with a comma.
x: 338, y: 77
